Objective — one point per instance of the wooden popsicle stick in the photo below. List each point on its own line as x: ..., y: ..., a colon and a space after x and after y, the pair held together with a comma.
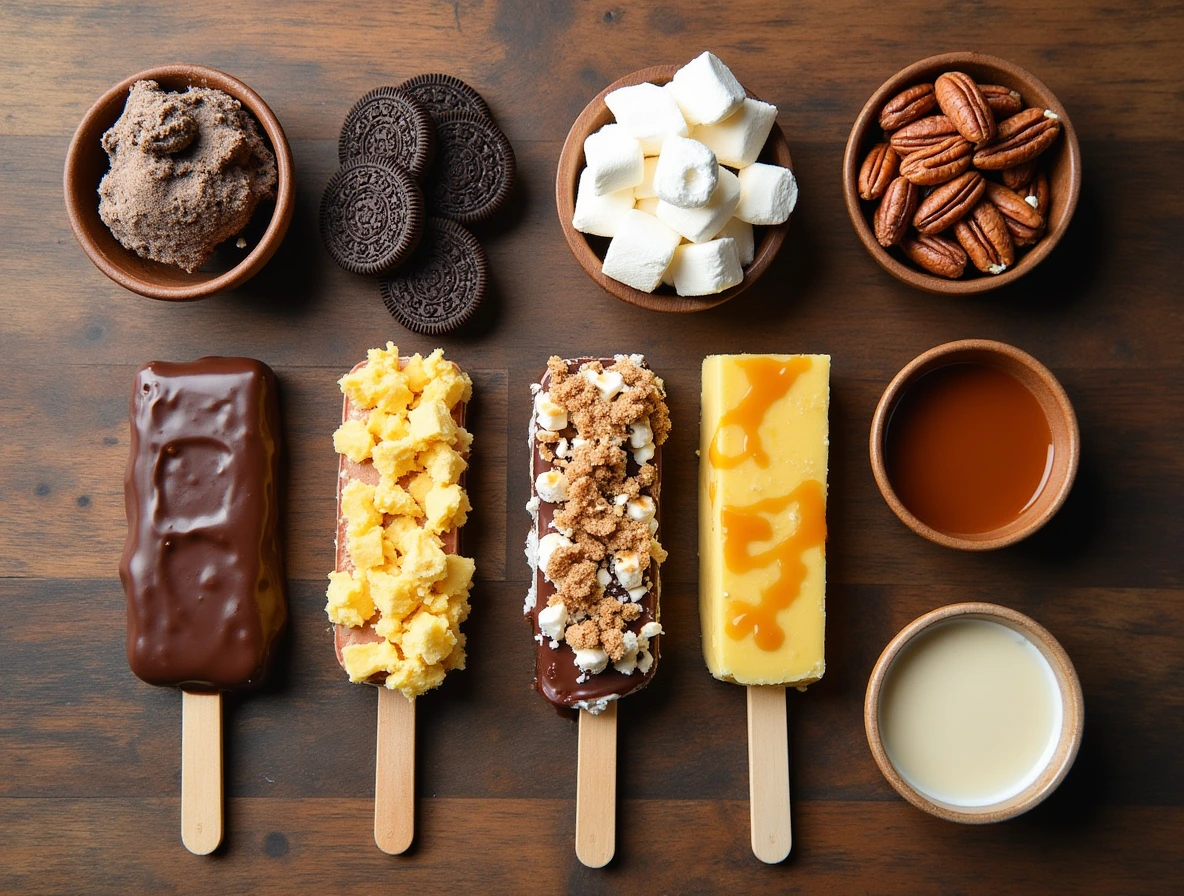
x: 394, y: 773
x: 201, y: 771
x: 596, y: 787
x: 768, y: 773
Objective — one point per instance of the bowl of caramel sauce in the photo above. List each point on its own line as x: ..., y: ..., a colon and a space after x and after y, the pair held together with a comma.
x: 974, y: 445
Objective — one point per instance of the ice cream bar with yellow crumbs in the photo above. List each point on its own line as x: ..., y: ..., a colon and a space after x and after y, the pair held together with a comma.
x: 763, y: 448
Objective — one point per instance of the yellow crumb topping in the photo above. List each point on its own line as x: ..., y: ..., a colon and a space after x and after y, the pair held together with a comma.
x: 405, y: 583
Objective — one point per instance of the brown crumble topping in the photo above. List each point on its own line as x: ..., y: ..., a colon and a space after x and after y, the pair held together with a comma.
x: 596, y: 474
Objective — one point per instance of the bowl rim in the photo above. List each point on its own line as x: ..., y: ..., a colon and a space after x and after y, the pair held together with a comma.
x: 83, y: 218
x: 1072, y: 713
x: 948, y: 353
x: 571, y: 158
x: 869, y: 117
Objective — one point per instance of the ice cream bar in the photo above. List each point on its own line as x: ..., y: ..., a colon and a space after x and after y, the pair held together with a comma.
x: 595, y: 445
x: 413, y: 498
x: 762, y: 553
x: 762, y: 517
x: 202, y: 566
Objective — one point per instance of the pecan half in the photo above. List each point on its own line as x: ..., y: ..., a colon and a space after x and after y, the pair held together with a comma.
x: 964, y: 104
x: 1024, y: 223
x: 949, y: 202
x: 880, y: 166
x: 894, y: 212
x: 936, y: 254
x: 936, y: 164
x: 921, y: 133
x: 1019, y: 176
x: 1021, y: 137
x: 907, y: 106
x: 984, y: 236
x: 1004, y: 101
x: 1037, y: 195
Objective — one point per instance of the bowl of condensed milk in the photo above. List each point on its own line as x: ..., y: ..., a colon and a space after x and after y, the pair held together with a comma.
x: 974, y: 713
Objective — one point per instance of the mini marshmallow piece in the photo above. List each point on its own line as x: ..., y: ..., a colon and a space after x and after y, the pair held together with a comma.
x: 738, y: 139
x: 651, y: 630
x: 636, y: 594
x: 768, y: 193
x: 549, y: 414
x: 640, y: 508
x: 649, y: 205
x: 648, y: 113
x: 704, y: 269
x: 627, y: 566
x: 706, y: 90
x: 641, y: 250
x: 645, y: 189
x: 553, y: 621
x: 701, y: 224
x: 608, y: 382
x: 548, y: 545
x: 591, y: 661
x: 644, y: 454
x: 551, y: 486
x: 741, y: 232
x: 603, y: 577
x: 640, y: 433
x: 687, y: 173
x: 615, y: 160
x: 599, y: 215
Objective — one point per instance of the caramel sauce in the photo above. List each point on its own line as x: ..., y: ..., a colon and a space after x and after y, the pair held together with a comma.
x: 769, y: 380
x: 968, y: 448
x: 742, y: 526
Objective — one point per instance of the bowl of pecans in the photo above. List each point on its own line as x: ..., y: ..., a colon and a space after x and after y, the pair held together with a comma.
x: 961, y: 173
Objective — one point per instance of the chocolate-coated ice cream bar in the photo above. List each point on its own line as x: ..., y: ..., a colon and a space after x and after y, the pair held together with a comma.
x: 595, y: 443
x: 203, y: 567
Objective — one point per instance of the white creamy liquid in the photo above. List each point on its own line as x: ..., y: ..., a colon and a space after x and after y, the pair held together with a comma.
x: 970, y: 712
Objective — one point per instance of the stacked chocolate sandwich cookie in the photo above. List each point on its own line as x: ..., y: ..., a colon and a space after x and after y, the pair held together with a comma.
x: 418, y: 161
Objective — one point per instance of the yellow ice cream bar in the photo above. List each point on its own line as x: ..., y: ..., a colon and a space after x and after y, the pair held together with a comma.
x: 762, y: 517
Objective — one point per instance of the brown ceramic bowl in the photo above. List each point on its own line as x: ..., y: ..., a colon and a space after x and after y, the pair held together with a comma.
x: 1053, y: 401
x: 86, y: 163
x: 1072, y: 715
x: 589, y: 252
x: 1062, y: 162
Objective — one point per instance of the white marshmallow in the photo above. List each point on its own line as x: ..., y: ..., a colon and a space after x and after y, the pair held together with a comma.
x: 553, y: 621
x: 645, y: 189
x: 548, y: 545
x: 636, y: 594
x: 626, y: 664
x: 686, y: 174
x: 627, y: 566
x: 768, y: 193
x: 701, y: 224
x: 648, y: 113
x: 704, y: 269
x: 641, y: 508
x: 640, y: 433
x: 706, y: 90
x: 608, y: 383
x: 649, y: 205
x: 603, y: 577
x: 641, y: 250
x: 615, y: 160
x: 550, y: 415
x: 591, y: 661
x: 741, y: 232
x: 738, y: 139
x: 599, y: 215
x: 551, y: 486
x: 644, y: 454
x: 651, y: 630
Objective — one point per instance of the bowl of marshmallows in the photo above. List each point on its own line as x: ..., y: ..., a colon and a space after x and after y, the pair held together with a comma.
x: 675, y: 187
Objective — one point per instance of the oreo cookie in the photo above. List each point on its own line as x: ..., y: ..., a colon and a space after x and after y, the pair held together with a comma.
x: 388, y: 124
x: 372, y: 216
x: 441, y: 285
x: 474, y: 168
x: 441, y: 94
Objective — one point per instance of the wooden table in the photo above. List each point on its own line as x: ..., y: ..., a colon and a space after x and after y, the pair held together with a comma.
x: 89, y: 756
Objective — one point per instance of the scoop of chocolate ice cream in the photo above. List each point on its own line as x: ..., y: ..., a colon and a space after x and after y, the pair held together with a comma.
x: 187, y: 171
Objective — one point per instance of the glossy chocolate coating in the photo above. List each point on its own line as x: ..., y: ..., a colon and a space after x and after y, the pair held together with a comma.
x: 555, y: 671
x: 202, y: 566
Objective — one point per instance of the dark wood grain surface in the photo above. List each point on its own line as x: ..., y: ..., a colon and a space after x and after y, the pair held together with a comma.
x: 89, y: 756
